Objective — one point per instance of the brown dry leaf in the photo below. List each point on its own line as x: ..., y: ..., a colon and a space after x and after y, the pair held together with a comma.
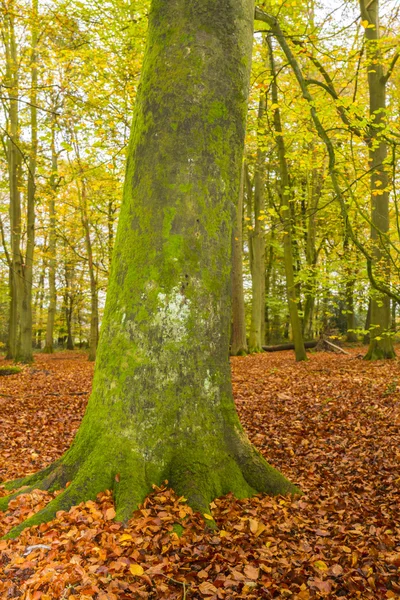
x: 327, y: 424
x: 207, y: 589
x: 251, y: 572
x: 110, y: 513
x: 253, y: 524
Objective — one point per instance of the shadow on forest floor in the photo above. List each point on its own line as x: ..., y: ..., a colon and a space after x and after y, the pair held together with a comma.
x: 332, y: 425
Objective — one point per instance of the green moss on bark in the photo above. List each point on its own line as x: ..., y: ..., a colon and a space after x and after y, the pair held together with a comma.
x: 162, y: 405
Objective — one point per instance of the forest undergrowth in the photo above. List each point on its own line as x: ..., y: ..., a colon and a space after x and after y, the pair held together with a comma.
x: 332, y: 425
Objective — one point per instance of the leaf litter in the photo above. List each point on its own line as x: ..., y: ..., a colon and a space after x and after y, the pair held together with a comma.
x: 331, y: 425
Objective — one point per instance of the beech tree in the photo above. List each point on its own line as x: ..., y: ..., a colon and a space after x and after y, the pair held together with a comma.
x: 162, y: 406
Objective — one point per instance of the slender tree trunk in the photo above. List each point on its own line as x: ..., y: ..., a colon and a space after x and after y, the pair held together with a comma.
x: 393, y: 317
x: 69, y: 274
x: 94, y: 309
x: 367, y: 336
x: 14, y: 168
x: 380, y: 345
x: 162, y: 405
x: 110, y: 225
x: 51, y: 314
x: 311, y: 253
x: 239, y: 342
x: 295, y: 321
x: 351, y: 335
x: 268, y: 273
x: 249, y: 213
x: 257, y: 325
x: 25, y: 353
x: 38, y: 306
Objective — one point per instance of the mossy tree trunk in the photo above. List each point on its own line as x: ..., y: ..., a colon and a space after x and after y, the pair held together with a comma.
x: 380, y: 345
x: 162, y: 405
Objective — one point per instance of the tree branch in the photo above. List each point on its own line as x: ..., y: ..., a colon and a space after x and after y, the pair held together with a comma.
x: 279, y: 35
x: 395, y: 58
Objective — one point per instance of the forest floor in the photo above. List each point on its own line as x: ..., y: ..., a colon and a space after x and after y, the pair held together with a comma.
x: 332, y: 425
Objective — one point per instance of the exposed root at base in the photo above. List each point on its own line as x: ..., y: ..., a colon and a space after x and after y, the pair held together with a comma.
x: 237, y: 468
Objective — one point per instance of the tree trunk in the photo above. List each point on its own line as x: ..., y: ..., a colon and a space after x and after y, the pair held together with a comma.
x: 51, y: 314
x: 162, y: 405
x: 351, y: 335
x: 94, y: 310
x: 393, y: 316
x: 239, y: 342
x: 380, y: 345
x: 295, y: 321
x: 310, y: 285
x: 14, y: 170
x: 38, y: 306
x: 25, y: 352
x: 367, y: 323
x: 257, y: 325
x: 69, y: 296
x: 268, y: 277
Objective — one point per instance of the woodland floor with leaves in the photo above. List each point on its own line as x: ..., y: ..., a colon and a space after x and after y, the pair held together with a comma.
x: 332, y: 425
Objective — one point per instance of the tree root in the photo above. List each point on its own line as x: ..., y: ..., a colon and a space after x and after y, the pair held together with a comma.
x: 236, y: 467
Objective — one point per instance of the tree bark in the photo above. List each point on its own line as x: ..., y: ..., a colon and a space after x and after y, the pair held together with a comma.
x: 310, y: 286
x: 367, y: 338
x: 380, y: 345
x: 238, y: 342
x: 94, y: 308
x: 295, y: 321
x: 162, y: 405
x: 351, y: 335
x: 14, y: 170
x: 69, y: 300
x: 25, y: 353
x: 37, y: 309
x: 257, y: 237
x: 51, y: 314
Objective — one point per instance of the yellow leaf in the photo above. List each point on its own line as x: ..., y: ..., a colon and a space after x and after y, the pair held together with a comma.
x: 365, y: 24
x: 136, y: 570
x: 223, y: 533
x: 125, y: 537
x: 321, y: 565
x: 209, y: 517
